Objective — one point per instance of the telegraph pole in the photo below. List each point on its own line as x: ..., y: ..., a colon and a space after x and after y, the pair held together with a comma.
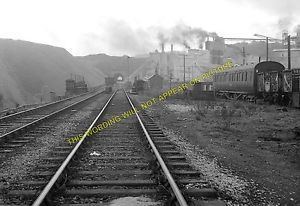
x: 289, y: 51
x: 267, y: 46
x: 244, y: 56
x: 128, y: 68
x: 170, y: 80
x: 184, y: 68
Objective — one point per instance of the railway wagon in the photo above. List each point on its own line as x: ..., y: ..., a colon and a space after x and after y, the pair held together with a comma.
x: 291, y: 86
x: 263, y: 80
x: 203, y: 91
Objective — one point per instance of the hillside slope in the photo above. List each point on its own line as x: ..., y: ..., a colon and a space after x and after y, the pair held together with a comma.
x: 27, y: 69
x: 111, y: 65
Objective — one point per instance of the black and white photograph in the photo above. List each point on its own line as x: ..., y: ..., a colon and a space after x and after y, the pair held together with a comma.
x: 150, y: 103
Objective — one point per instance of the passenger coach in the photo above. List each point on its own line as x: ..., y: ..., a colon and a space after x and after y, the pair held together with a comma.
x: 263, y: 80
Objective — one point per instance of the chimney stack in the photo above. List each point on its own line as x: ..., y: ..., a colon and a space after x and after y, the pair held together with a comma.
x: 162, y: 47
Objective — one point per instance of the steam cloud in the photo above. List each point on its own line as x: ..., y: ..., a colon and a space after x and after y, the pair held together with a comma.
x: 184, y: 35
x: 122, y: 37
x: 285, y: 23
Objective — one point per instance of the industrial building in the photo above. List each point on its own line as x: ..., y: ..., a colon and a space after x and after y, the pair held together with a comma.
x: 281, y: 55
x: 184, y: 65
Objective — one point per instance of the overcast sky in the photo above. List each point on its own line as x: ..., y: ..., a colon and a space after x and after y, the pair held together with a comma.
x: 118, y: 27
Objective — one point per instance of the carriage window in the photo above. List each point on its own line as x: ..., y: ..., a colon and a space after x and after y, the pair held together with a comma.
x: 246, y: 76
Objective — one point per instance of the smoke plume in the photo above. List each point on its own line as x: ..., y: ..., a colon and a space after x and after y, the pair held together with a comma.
x: 187, y: 36
x: 121, y: 36
x: 285, y: 23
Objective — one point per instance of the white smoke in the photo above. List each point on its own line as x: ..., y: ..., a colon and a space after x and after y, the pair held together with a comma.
x: 189, y: 37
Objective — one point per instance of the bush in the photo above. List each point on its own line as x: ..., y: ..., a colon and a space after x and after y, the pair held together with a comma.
x: 227, y: 114
x: 200, y: 110
x: 237, y: 105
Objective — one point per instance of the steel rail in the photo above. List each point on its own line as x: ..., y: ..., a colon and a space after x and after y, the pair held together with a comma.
x: 4, y: 118
x: 63, y: 166
x: 175, y: 189
x: 2, y: 137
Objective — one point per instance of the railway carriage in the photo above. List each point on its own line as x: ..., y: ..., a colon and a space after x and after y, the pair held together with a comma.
x: 263, y: 81
x: 235, y: 83
x: 268, y: 81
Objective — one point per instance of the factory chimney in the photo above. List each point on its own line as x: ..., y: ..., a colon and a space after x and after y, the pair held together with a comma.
x: 162, y: 47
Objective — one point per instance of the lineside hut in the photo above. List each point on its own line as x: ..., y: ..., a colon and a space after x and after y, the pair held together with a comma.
x: 156, y: 82
x: 139, y: 85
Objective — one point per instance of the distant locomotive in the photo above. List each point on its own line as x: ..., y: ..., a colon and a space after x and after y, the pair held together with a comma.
x: 266, y: 80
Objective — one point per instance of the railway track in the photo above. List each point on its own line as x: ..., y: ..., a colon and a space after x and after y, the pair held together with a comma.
x: 16, y: 129
x: 131, y: 158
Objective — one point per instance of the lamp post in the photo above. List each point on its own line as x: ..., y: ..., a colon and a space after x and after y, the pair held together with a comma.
x: 184, y: 68
x: 288, y: 39
x: 267, y: 43
x: 128, y: 67
x: 289, y: 51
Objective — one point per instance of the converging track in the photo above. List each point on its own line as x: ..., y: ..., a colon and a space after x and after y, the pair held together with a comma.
x: 22, y: 127
x: 130, y: 158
